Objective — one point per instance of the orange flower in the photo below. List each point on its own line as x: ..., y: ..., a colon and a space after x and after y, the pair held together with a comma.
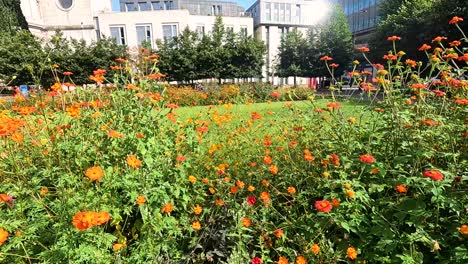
x: 267, y: 160
x: 363, y: 49
x: 352, y: 253
x: 401, y: 188
x: 424, y: 47
x: 315, y: 248
x: 334, y: 159
x: 350, y: 193
x: 85, y: 220
x: 301, y: 260
x: 233, y: 189
x: 251, y: 188
x: 411, y: 63
x: 282, y: 260
x: 140, y: 135
x: 219, y: 202
x: 367, y: 158
x: 73, y: 111
x: 326, y: 58
x: 265, y: 183
x: 133, y: 162
x: 167, y: 208
x: 94, y: 173
x: 374, y: 171
x: 463, y: 230
x: 140, y: 200
x: 118, y: 246
x: 335, y: 202
x: 3, y: 236
x: 455, y: 20
x: 291, y: 190
x: 273, y: 169
x: 240, y: 184
x: 333, y: 105
x: 246, y: 222
x: 438, y: 39
x: 393, y: 38
x: 255, y: 116
x: 197, y: 209
x: 196, y: 225
x: 334, y: 65
x: 265, y: 197
x: 115, y: 134
x: 278, y: 233
x: 434, y: 174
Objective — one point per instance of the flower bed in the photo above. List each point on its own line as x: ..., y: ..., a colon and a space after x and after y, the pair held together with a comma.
x: 117, y: 175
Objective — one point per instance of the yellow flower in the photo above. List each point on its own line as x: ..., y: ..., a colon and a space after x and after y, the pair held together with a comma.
x: 350, y: 193
x: 192, y: 179
x: 196, y: 225
x: 347, y: 185
x: 251, y: 188
x: 326, y: 174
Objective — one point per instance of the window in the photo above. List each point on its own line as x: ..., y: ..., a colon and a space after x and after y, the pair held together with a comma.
x: 130, y: 7
x: 118, y: 33
x: 144, y: 6
x: 268, y: 11
x: 65, y: 4
x: 168, y: 5
x: 144, y: 34
x: 156, y: 5
x: 298, y: 13
x: 281, y: 12
x: 229, y: 28
x: 169, y: 31
x: 288, y: 13
x: 216, y: 10
x: 243, y: 30
x: 200, y: 31
x: 275, y: 11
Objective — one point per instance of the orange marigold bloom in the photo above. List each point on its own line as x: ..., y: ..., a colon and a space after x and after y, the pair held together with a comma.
x: 196, y: 225
x: 140, y: 200
x: 73, y: 111
x: 94, y: 173
x: 301, y: 260
x: 265, y: 197
x: 133, y: 162
x: 315, y: 248
x: 167, y: 208
x: 278, y: 233
x: 282, y: 260
x: 273, y: 169
x: 401, y: 188
x: 17, y: 137
x: 393, y: 38
x: 374, y: 171
x: 334, y: 159
x: 350, y: 193
x: 233, y: 189
x: 219, y: 202
x: 455, y: 20
x: 240, y: 184
x: 3, y: 236
x: 265, y: 183
x: 291, y: 190
x: 251, y: 188
x: 411, y: 63
x: 464, y: 229
x: 333, y: 105
x: 438, y: 39
x: 85, y: 220
x: 255, y: 116
x: 334, y: 65
x: 246, y: 222
x: 352, y: 253
x: 197, y: 209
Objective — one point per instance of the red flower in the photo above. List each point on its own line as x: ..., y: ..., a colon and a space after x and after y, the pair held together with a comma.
x: 173, y: 106
x: 67, y: 73
x: 418, y: 86
x: 323, y: 206
x: 438, y: 39
x: 455, y: 20
x: 390, y: 57
x: 363, y: 49
x: 393, y: 38
x: 334, y: 65
x: 326, y: 58
x: 275, y: 95
x: 333, y: 105
x: 401, y: 188
x: 181, y: 158
x: 434, y: 174
x: 256, y: 260
x: 251, y: 200
x: 367, y: 158
x: 424, y: 47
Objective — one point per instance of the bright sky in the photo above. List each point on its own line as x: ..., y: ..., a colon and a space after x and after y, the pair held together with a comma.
x: 245, y: 3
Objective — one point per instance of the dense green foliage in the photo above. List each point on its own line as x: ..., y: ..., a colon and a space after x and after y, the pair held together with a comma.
x: 299, y: 55
x: 221, y: 54
x: 416, y: 22
x: 23, y: 57
x: 11, y: 19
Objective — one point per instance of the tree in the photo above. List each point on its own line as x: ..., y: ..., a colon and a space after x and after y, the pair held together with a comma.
x: 417, y: 22
x: 12, y: 18
x: 336, y: 40
x: 292, y: 54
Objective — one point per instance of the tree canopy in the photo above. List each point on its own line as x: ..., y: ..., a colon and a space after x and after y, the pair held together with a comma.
x: 12, y: 18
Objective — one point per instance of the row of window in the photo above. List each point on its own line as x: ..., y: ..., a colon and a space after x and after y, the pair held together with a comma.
x: 148, y: 6
x: 144, y: 32
x: 282, y: 12
x: 356, y: 6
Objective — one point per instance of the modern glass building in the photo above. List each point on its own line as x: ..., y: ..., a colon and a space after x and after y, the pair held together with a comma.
x: 363, y: 16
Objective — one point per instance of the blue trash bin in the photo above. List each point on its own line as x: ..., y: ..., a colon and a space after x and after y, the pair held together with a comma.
x: 24, y: 90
